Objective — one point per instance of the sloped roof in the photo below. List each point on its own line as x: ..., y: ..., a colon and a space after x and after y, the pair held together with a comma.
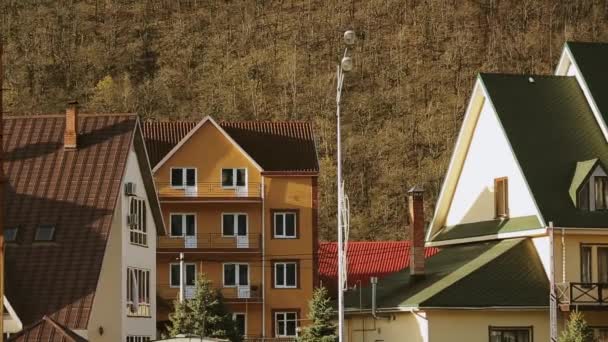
x: 591, y: 59
x: 75, y: 190
x: 47, y: 329
x: 491, y: 227
x: 550, y: 127
x: 287, y: 146
x: 505, y: 273
x: 365, y: 259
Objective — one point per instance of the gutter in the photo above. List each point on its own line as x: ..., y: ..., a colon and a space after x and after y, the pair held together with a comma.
x: 414, y: 309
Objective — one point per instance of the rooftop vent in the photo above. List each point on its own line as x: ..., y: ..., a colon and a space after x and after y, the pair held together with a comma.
x: 531, y: 79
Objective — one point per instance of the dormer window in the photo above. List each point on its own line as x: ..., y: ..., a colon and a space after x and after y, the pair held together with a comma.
x: 501, y: 197
x: 45, y: 232
x: 601, y: 192
x: 583, y: 197
x: 10, y: 234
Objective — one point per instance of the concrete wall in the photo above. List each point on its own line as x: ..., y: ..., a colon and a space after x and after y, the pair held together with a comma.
x: 489, y: 157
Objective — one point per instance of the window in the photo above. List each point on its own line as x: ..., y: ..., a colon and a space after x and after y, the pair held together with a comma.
x: 234, y: 224
x: 501, y: 197
x: 189, y: 276
x: 240, y: 322
x: 45, y: 232
x: 601, y: 192
x: 10, y: 234
x: 286, y: 274
x: 602, y: 264
x: 586, y: 264
x: 234, y: 177
x: 137, y: 222
x: 510, y: 334
x: 600, y: 334
x: 138, y: 339
x: 236, y: 274
x: 183, y: 224
x: 183, y: 177
x: 285, y: 225
x: 583, y: 197
x: 138, y: 292
x: 285, y: 324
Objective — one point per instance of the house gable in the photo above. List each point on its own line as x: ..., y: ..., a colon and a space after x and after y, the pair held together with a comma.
x: 483, y: 153
x: 208, y: 149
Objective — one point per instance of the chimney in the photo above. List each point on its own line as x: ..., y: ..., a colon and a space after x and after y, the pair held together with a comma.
x: 416, y: 218
x: 70, y: 136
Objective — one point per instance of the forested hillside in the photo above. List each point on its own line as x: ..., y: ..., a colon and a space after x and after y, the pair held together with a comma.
x: 415, y: 63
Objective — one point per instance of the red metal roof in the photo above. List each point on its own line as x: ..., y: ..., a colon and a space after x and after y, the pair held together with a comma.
x: 75, y: 190
x: 365, y: 259
x: 287, y: 146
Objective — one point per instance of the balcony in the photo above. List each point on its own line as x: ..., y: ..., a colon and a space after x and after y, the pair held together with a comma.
x: 582, y: 295
x: 237, y: 294
x: 212, y: 241
x: 209, y: 192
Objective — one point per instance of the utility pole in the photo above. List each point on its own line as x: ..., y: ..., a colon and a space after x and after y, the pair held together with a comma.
x: 345, y: 66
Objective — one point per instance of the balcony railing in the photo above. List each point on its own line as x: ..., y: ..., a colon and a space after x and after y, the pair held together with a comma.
x: 209, y: 190
x: 582, y: 294
x: 241, y: 293
x: 211, y: 241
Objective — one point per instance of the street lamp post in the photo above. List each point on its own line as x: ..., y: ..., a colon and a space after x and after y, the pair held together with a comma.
x: 345, y: 65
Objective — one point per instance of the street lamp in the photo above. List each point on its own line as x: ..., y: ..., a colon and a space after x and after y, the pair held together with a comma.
x: 345, y: 66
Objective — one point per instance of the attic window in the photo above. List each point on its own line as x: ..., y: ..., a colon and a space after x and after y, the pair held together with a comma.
x: 501, y: 197
x: 10, y: 234
x: 45, y: 232
x: 601, y: 192
x: 583, y: 197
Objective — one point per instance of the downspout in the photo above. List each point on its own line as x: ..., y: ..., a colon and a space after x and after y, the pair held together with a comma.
x: 262, y: 190
x: 374, y: 282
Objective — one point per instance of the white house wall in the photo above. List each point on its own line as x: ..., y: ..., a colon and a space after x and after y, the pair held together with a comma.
x: 489, y: 157
x: 137, y: 256
x: 404, y: 326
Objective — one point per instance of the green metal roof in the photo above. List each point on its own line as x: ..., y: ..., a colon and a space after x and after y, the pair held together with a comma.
x: 491, y: 227
x: 506, y: 273
x: 551, y: 128
x: 591, y: 60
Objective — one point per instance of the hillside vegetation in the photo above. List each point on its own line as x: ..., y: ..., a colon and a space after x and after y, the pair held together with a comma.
x: 415, y: 63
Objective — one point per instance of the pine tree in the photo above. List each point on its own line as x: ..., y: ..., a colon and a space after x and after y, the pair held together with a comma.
x: 577, y: 329
x: 321, y: 314
x: 203, y: 315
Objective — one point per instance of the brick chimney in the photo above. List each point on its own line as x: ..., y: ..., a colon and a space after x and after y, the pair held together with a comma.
x: 416, y: 218
x: 70, y: 136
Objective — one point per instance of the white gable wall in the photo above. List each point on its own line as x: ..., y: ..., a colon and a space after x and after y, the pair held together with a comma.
x: 489, y: 157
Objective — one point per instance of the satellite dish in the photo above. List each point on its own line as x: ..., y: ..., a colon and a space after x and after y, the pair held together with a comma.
x: 350, y: 37
x: 347, y: 64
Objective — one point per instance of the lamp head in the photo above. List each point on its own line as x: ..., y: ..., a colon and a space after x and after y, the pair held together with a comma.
x: 347, y: 64
x: 349, y: 37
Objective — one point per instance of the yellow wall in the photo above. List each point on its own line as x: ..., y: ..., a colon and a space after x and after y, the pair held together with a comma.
x: 209, y: 151
x: 573, y: 255
x: 443, y: 325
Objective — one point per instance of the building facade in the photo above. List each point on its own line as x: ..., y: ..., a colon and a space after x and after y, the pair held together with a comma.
x: 240, y: 202
x: 521, y: 219
x: 81, y: 229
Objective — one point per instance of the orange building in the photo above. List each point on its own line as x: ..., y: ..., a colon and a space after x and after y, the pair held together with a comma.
x: 240, y: 200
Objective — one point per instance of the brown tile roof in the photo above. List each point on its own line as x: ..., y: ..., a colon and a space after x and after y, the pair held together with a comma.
x: 287, y: 146
x: 47, y: 329
x: 74, y: 190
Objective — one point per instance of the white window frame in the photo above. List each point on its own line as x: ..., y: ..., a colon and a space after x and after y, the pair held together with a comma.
x: 184, y: 180
x: 234, y: 185
x: 143, y: 306
x: 284, y: 264
x: 138, y: 338
x: 185, y: 274
x: 139, y: 230
x: 276, y: 323
x: 234, y: 314
x: 236, y: 276
x: 284, y: 214
x: 235, y: 231
x: 183, y: 215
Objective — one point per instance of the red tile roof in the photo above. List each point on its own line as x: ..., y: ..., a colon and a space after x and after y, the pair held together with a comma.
x: 74, y: 190
x: 287, y: 146
x: 365, y: 259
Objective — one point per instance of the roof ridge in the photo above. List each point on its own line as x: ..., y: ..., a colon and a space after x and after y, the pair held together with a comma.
x: 59, y: 115
x: 467, y: 269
